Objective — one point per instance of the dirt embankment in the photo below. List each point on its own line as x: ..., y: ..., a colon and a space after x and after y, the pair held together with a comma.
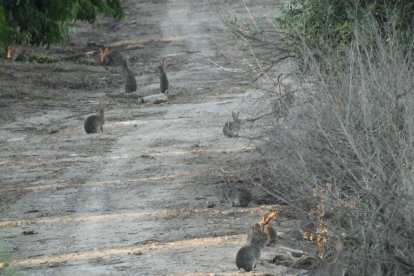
x: 133, y: 200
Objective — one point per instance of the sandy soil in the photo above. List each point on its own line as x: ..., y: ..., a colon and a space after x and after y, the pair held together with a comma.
x: 145, y: 196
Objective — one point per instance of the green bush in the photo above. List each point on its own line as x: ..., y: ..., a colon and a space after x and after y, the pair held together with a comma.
x: 43, y: 22
x: 328, y: 24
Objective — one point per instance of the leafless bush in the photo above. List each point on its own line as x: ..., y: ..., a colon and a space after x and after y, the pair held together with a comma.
x: 347, y: 155
x: 255, y: 56
x: 256, y: 47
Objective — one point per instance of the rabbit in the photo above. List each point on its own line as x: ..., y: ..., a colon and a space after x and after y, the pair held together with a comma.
x: 15, y: 54
x: 163, y: 77
x: 231, y: 129
x: 269, y: 231
x: 110, y: 56
x: 331, y: 269
x: 12, y: 53
x: 130, y: 82
x: 248, y: 255
x: 251, y: 231
x: 238, y: 197
x: 335, y: 268
x: 94, y: 123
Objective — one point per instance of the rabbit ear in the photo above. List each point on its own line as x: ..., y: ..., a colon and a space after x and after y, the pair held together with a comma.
x: 101, y: 107
x: 102, y: 52
x: 339, y: 246
x: 257, y: 227
x: 107, y: 50
x: 235, y: 115
x: 228, y: 186
x: 125, y: 62
x: 162, y: 63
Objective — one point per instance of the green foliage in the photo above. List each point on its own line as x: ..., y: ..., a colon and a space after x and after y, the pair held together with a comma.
x: 37, y: 59
x: 3, y: 29
x: 328, y: 24
x: 42, y: 22
x: 236, y: 28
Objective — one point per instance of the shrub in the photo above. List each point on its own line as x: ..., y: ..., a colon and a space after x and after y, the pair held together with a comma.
x: 342, y: 154
x: 46, y: 22
x: 349, y: 152
x: 328, y: 24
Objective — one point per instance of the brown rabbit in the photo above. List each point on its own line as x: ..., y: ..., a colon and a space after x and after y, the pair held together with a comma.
x: 12, y: 53
x: 130, y: 82
x: 231, y: 129
x: 335, y: 268
x: 238, y: 197
x: 110, y: 56
x: 163, y: 77
x: 94, y: 123
x: 248, y: 255
x: 251, y: 231
x: 269, y: 231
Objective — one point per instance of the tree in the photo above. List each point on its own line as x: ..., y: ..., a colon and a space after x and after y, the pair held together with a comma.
x: 44, y: 22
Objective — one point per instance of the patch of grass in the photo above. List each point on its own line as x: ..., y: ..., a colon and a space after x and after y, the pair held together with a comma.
x: 37, y: 59
x: 6, y: 256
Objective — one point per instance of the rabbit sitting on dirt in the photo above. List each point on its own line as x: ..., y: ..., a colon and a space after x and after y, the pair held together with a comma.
x: 248, y: 256
x: 163, y: 77
x: 269, y: 233
x: 110, y: 56
x: 12, y: 53
x: 231, y: 129
x: 238, y: 197
x: 129, y: 78
x: 94, y: 123
x: 251, y: 231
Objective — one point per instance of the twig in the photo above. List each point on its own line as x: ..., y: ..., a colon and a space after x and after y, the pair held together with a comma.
x: 225, y: 69
x: 250, y: 14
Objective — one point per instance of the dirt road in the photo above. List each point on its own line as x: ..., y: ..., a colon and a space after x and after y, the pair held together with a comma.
x: 145, y: 196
